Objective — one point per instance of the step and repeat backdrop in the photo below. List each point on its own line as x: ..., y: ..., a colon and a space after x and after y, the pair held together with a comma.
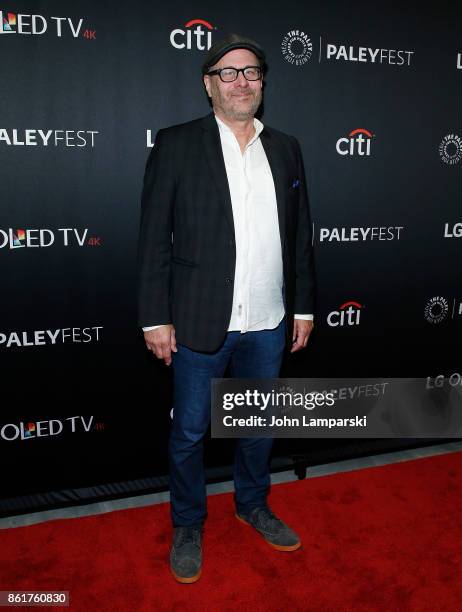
x: 371, y: 91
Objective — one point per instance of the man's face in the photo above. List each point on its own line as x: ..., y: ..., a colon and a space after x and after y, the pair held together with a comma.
x: 240, y: 99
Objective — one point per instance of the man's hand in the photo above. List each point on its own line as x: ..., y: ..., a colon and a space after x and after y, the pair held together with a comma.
x: 161, y: 342
x: 302, y: 331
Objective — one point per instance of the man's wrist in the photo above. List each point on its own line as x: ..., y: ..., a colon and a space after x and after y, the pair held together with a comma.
x: 150, y: 327
x: 304, y: 317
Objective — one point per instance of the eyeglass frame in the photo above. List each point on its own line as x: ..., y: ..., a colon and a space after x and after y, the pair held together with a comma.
x: 238, y: 70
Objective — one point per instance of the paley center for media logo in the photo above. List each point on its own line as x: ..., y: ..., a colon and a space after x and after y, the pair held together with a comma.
x: 197, y: 34
x: 450, y: 149
x: 23, y: 430
x: 358, y: 142
x: 44, y: 238
x: 36, y: 25
x: 46, y: 138
x: 348, y: 314
x: 50, y: 337
x: 437, y: 309
x: 296, y: 47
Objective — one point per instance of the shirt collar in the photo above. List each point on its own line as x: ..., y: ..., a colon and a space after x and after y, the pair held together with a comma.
x: 258, y: 125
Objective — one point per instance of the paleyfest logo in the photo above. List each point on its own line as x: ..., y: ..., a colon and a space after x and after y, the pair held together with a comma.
x: 36, y: 25
x: 397, y: 57
x: 296, y: 47
x: 359, y: 234
x: 47, y: 138
x: 49, y: 337
x: 193, y: 36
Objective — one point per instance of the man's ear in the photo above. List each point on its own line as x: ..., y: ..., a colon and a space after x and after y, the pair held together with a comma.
x: 207, y: 85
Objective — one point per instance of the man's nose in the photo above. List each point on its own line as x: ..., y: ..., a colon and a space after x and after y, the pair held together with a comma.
x: 241, y: 80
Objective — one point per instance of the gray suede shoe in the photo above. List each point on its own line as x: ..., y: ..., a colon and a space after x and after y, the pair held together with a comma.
x: 276, y: 532
x: 186, y: 554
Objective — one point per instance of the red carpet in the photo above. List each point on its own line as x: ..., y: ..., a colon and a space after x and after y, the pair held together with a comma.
x: 386, y: 538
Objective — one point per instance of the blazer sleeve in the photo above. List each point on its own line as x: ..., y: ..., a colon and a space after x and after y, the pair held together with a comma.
x: 155, y: 237
x: 304, y: 263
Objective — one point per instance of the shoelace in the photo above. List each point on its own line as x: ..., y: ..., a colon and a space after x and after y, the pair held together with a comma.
x: 265, y: 517
x: 189, y: 535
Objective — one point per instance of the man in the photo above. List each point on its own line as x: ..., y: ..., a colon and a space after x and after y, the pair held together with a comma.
x: 225, y: 279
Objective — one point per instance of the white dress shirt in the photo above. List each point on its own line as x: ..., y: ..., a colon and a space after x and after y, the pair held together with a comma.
x: 257, y: 298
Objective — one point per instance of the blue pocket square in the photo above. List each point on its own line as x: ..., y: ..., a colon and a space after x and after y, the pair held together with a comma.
x: 296, y: 183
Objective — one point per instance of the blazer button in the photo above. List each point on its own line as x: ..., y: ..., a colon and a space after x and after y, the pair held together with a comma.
x: 227, y: 280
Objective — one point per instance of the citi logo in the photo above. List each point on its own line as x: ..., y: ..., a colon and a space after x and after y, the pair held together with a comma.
x: 21, y: 23
x: 357, y: 143
x: 43, y: 238
x: 194, y: 36
x: 348, y: 314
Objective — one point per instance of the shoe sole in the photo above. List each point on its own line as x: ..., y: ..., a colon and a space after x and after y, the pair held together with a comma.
x: 275, y: 546
x: 189, y: 580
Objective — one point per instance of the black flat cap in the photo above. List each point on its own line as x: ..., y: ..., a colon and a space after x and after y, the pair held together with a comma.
x: 232, y: 41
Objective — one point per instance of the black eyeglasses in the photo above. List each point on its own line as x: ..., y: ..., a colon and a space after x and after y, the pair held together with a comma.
x: 229, y: 74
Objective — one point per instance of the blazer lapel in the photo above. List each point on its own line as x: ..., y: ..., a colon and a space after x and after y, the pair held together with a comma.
x: 214, y: 155
x: 279, y: 177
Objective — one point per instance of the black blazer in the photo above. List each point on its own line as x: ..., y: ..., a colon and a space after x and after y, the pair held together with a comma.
x: 187, y: 252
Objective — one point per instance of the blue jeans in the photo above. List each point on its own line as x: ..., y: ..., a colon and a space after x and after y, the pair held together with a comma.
x: 250, y: 355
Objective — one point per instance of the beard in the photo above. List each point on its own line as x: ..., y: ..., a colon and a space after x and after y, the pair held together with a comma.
x: 239, y: 108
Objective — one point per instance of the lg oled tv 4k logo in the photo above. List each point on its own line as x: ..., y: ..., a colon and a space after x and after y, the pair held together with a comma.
x: 24, y: 430
x: 42, y: 238
x: 453, y: 230
x: 36, y: 25
x: 348, y: 314
x: 197, y: 34
x: 358, y: 142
